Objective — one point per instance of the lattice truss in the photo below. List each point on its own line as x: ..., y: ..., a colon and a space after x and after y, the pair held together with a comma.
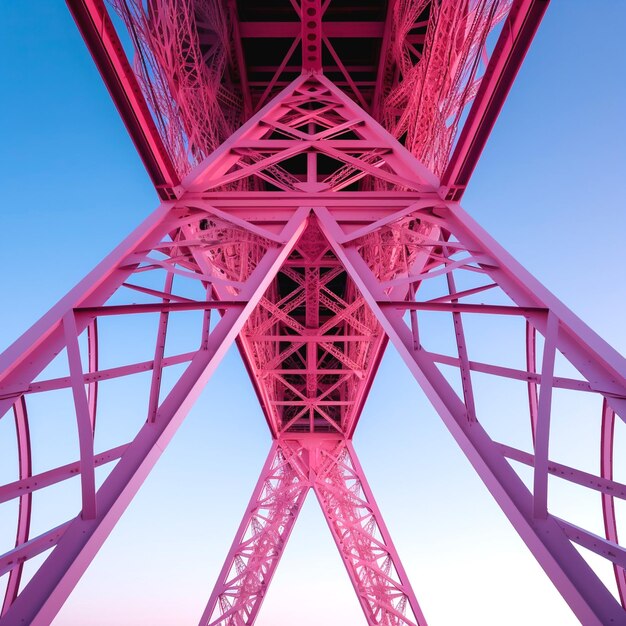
x: 345, y: 244
x: 201, y: 86
x: 183, y: 60
x: 312, y: 342
x: 424, y: 104
x: 329, y: 467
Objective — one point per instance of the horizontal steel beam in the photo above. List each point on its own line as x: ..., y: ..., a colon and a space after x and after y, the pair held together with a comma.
x: 31, y: 548
x: 56, y: 475
x: 515, y: 374
x: 459, y: 307
x: 601, y: 546
x: 310, y: 338
x: 291, y: 30
x: 585, y: 479
x: 157, y: 307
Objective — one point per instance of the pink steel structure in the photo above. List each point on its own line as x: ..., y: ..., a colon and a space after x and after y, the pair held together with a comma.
x: 311, y: 236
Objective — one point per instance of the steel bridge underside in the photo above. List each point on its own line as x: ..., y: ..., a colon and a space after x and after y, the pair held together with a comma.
x: 310, y: 157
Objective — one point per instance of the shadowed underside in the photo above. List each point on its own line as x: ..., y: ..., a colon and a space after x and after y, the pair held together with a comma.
x: 207, y: 66
x: 435, y: 74
x: 310, y: 156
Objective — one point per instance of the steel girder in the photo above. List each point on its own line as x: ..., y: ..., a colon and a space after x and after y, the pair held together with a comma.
x: 311, y: 277
x: 204, y: 68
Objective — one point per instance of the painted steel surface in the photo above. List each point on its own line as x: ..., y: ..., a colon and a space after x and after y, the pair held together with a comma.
x: 311, y: 237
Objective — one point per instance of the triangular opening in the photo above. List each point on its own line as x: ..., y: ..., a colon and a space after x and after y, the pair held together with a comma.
x: 311, y: 581
x: 311, y: 135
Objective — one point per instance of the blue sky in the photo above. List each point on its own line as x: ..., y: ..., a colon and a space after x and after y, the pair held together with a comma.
x: 550, y: 187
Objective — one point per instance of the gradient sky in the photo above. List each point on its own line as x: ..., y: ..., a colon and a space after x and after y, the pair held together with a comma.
x: 550, y: 187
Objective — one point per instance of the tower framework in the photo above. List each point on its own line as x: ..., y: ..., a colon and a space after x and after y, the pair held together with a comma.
x: 311, y: 236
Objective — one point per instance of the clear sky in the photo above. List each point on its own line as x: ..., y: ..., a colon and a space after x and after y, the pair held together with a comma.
x: 550, y: 187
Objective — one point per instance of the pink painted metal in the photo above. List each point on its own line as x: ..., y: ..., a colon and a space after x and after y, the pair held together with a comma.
x: 430, y: 60
x: 104, y: 43
x: 317, y: 237
x: 25, y: 499
x: 328, y: 465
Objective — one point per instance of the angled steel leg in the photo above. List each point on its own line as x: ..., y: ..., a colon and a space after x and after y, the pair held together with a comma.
x: 260, y: 540
x: 547, y: 537
x: 363, y: 540
x: 329, y: 466
x: 78, y: 540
